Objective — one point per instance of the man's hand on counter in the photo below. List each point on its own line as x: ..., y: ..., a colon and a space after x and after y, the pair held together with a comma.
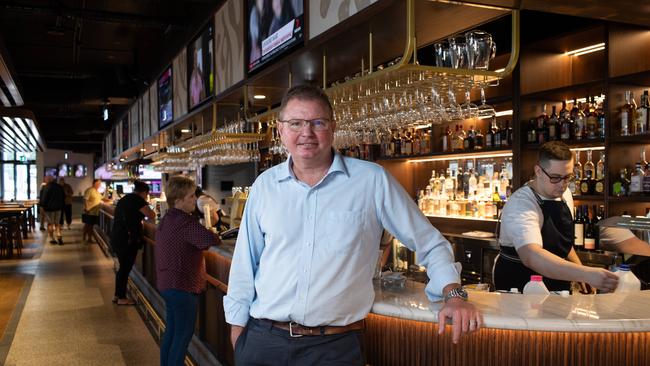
x: 464, y: 316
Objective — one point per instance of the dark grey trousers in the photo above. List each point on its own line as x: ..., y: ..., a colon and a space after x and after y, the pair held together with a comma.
x: 261, y: 344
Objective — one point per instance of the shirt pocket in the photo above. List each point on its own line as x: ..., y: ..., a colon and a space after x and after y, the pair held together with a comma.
x: 343, y: 231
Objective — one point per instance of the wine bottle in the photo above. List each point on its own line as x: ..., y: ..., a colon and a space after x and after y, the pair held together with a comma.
x: 590, y: 228
x: 579, y: 228
x: 627, y: 114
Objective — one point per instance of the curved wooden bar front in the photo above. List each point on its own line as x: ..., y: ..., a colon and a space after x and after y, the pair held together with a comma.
x: 402, y: 329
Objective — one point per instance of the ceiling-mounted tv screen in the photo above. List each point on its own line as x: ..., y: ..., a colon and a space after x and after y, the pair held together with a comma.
x: 165, y: 99
x: 274, y: 27
x: 200, y: 72
x: 80, y: 171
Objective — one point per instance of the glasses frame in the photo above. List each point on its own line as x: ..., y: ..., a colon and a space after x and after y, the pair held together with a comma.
x: 304, y: 122
x: 556, y: 180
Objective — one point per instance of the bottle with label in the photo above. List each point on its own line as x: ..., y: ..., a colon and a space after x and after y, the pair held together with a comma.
x: 627, y: 114
x: 636, y: 180
x: 506, y: 135
x: 592, y: 120
x: 579, y: 228
x: 599, y: 186
x: 627, y: 281
x: 601, y: 120
x: 577, y: 166
x: 578, y: 121
x: 590, y: 230
x: 589, y: 165
x: 479, y: 140
x: 553, y: 126
x: 496, y: 203
x: 446, y: 140
x: 535, y: 286
x: 641, y: 119
x: 621, y: 184
x: 542, y: 126
x: 565, y: 123
x: 587, y: 184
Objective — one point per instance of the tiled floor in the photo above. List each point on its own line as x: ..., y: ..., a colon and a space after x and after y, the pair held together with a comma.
x: 68, y: 317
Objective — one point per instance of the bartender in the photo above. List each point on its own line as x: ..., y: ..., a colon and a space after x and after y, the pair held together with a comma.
x: 537, y: 230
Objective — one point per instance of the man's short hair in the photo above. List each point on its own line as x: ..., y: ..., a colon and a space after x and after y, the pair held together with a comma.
x: 178, y: 187
x: 140, y: 187
x: 96, y: 180
x: 553, y: 150
x: 307, y: 92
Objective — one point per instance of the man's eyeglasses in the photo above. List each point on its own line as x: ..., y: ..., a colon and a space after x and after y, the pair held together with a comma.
x: 318, y: 124
x: 557, y: 179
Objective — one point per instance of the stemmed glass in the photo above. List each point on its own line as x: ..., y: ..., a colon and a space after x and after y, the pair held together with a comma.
x: 485, y: 110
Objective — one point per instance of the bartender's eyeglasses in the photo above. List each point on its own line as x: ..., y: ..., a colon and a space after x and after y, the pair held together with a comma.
x: 557, y: 179
x: 318, y: 124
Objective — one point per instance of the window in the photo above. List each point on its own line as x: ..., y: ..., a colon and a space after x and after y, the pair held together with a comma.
x: 8, y: 156
x: 33, y: 194
x: 21, y: 176
x: 9, y: 184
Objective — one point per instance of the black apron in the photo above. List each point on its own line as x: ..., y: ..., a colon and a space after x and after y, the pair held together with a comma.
x: 558, y: 236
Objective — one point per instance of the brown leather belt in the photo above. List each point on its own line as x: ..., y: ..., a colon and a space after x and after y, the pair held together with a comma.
x: 298, y: 330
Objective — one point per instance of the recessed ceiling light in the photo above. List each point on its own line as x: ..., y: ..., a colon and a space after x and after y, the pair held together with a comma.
x: 185, y: 130
x: 154, y: 144
x: 122, y: 159
x: 259, y: 96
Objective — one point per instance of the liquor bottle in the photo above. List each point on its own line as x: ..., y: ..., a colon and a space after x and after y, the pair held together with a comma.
x: 416, y: 142
x: 599, y: 186
x: 542, y: 126
x: 598, y: 215
x: 589, y: 165
x: 622, y: 185
x: 601, y: 120
x: 531, y: 131
x: 506, y: 135
x: 425, y: 142
x: 490, y: 136
x: 459, y: 183
x: 627, y: 114
x: 592, y: 120
x: 497, y: 143
x: 590, y: 230
x: 446, y: 140
x: 465, y: 191
x: 641, y: 120
x: 565, y: 123
x: 479, y: 140
x: 553, y: 126
x: 587, y: 184
x: 457, y: 140
x: 636, y: 180
x: 469, y: 141
x: 646, y: 180
x: 578, y: 121
x: 577, y: 166
x: 579, y: 227
x: 496, y: 203
x: 473, y: 182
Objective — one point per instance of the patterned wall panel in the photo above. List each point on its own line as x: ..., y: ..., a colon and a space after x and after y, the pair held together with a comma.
x: 153, y: 108
x: 146, y: 115
x: 324, y: 14
x: 229, y: 45
x: 179, y: 76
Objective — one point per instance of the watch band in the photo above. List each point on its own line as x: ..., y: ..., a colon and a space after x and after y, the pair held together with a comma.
x: 457, y: 292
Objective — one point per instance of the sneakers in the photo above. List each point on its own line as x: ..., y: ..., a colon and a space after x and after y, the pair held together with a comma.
x: 60, y: 241
x: 52, y: 241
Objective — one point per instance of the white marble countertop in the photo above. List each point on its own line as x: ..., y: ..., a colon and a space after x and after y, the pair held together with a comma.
x: 577, y: 313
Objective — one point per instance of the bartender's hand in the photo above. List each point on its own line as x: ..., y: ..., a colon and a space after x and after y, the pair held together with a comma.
x: 464, y: 316
x: 235, y: 332
x: 602, y: 279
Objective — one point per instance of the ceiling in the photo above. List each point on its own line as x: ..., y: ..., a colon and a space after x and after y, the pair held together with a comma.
x: 68, y: 58
x: 62, y: 60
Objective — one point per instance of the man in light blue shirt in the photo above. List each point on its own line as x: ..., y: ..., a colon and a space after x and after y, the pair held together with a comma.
x: 307, y: 245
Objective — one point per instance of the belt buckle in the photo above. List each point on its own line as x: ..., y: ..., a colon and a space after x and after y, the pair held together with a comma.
x: 291, y: 323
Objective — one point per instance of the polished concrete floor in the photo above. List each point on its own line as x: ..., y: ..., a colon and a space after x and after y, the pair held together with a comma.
x: 56, y: 308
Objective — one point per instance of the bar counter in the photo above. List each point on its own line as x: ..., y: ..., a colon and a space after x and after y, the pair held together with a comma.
x: 402, y: 329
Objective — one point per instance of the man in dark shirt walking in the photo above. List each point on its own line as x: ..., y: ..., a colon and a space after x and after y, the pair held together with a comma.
x: 126, y: 237
x: 52, y: 201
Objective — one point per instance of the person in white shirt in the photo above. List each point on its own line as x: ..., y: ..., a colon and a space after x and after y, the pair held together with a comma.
x: 537, y: 231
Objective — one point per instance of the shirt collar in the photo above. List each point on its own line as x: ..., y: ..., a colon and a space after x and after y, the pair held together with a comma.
x: 338, y: 165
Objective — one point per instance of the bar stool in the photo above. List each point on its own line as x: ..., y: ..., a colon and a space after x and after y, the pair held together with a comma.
x: 4, y: 240
x: 14, y: 233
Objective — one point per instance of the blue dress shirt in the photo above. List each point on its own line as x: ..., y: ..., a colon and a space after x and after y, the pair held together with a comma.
x: 308, y: 254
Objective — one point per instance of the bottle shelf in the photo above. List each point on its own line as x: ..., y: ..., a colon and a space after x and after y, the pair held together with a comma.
x: 586, y: 143
x: 567, y: 92
x: 461, y: 218
x: 639, y: 139
x: 589, y: 198
x: 630, y: 199
x: 442, y: 156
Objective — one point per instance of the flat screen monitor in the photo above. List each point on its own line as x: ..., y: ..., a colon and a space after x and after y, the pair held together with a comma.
x: 165, y: 99
x: 80, y: 171
x: 148, y: 172
x: 200, y: 70
x: 64, y: 170
x: 51, y: 171
x: 274, y: 27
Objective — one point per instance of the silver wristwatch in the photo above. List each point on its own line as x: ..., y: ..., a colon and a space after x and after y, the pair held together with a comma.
x: 457, y: 292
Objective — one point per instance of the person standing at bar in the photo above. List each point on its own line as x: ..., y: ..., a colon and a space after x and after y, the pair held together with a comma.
x: 126, y: 236
x: 180, y: 267
x: 537, y: 230
x: 307, y: 249
x: 67, y: 207
x: 203, y: 200
x: 52, y: 201
x: 90, y: 216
